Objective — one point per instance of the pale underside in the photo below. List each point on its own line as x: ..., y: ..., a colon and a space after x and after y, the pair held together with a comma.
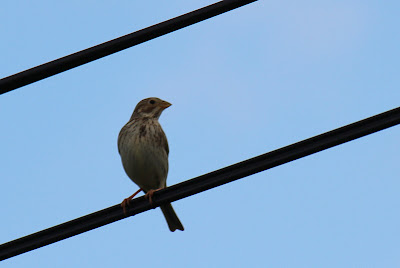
x: 145, y: 163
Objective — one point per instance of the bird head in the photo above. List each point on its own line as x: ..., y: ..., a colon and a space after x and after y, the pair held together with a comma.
x: 150, y: 108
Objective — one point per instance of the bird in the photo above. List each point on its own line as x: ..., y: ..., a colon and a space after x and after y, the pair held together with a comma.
x: 144, y: 150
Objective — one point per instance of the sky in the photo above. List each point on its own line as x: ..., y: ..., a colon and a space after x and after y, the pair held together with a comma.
x: 244, y: 83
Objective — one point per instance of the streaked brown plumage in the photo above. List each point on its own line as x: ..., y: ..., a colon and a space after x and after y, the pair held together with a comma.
x: 144, y: 151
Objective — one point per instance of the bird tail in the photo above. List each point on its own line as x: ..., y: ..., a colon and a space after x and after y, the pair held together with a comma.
x: 172, y: 219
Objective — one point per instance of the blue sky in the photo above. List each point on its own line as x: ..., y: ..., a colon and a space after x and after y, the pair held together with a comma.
x: 244, y: 83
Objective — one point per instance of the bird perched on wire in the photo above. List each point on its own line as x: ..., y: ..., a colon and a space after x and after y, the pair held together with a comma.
x: 144, y: 151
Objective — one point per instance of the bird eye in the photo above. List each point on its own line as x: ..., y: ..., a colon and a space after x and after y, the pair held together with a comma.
x: 152, y: 101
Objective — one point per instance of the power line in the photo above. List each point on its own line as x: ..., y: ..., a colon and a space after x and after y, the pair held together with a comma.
x: 204, y: 182
x: 90, y: 54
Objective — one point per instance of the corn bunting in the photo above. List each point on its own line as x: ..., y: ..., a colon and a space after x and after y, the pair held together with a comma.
x: 144, y: 150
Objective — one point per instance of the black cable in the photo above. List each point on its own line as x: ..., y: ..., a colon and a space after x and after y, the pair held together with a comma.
x: 203, y: 183
x: 90, y: 54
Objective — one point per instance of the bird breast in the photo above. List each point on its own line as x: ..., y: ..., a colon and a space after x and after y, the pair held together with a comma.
x: 143, y: 155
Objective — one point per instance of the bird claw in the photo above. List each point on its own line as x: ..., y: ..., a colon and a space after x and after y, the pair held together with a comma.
x: 150, y: 194
x: 125, y: 203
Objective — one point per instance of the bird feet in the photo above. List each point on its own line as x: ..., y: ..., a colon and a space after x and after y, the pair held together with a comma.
x: 150, y: 194
x: 126, y: 201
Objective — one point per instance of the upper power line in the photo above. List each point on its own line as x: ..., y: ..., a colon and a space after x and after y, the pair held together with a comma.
x: 203, y: 183
x: 90, y: 54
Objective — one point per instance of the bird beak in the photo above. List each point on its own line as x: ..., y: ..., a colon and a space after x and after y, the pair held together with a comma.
x: 165, y: 104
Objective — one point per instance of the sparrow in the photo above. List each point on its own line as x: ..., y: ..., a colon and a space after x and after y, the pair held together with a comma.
x: 143, y: 147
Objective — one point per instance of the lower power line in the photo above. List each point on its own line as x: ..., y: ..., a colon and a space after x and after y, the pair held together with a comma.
x: 203, y: 183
